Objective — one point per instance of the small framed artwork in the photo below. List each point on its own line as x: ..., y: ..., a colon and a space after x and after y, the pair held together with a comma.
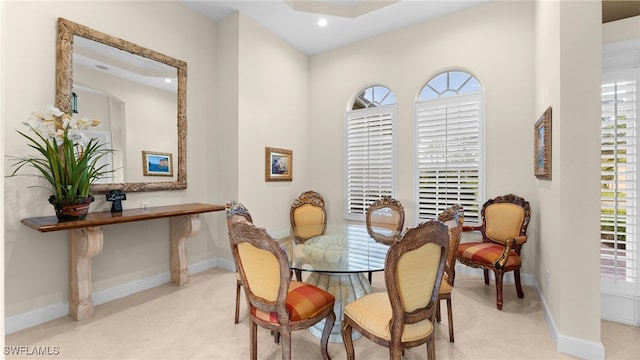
x: 156, y: 163
x: 542, y: 146
x: 278, y: 164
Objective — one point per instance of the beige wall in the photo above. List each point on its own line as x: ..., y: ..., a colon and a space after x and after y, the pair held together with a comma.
x: 36, y: 273
x: 527, y: 56
x: 568, y: 78
x: 274, y: 112
x: 493, y: 42
x: 265, y: 93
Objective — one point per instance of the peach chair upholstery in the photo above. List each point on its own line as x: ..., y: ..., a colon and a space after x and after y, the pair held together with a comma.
x: 275, y: 301
x: 504, y: 232
x: 403, y: 316
x: 383, y: 215
x: 453, y: 217
x: 236, y: 212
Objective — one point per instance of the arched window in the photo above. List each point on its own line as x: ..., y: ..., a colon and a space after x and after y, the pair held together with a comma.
x: 450, y: 83
x: 449, y: 147
x: 370, y: 143
x: 373, y: 97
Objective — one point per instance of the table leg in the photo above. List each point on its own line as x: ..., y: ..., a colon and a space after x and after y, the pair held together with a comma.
x: 346, y: 288
x: 84, y: 244
x: 182, y: 227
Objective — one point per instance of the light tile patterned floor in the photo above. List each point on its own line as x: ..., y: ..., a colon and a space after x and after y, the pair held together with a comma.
x: 196, y: 322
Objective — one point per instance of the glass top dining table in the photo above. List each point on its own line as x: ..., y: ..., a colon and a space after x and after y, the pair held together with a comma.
x: 335, y: 248
x: 337, y: 257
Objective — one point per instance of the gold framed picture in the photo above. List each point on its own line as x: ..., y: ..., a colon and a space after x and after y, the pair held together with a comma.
x: 278, y: 164
x: 156, y: 163
x: 542, y: 146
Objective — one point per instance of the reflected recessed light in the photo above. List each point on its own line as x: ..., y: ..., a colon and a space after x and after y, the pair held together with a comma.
x: 322, y: 22
x: 167, y: 80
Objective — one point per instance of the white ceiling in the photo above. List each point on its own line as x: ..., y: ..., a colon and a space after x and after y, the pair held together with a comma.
x: 345, y: 25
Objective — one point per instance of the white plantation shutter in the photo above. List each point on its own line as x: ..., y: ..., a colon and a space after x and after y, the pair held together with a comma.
x: 369, y: 158
x: 618, y: 224
x: 449, y: 154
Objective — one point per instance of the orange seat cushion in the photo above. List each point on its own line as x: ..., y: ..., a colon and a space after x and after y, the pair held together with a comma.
x: 486, y: 253
x: 304, y: 301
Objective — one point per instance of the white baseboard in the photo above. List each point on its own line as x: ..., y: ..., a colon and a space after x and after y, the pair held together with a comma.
x: 564, y: 344
x: 51, y: 312
x: 568, y: 344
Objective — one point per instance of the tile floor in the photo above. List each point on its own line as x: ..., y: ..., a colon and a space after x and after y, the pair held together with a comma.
x: 196, y: 322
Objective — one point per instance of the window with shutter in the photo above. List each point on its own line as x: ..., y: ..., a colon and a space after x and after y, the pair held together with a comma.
x: 618, y: 211
x: 619, y: 175
x: 449, y: 147
x: 370, y: 150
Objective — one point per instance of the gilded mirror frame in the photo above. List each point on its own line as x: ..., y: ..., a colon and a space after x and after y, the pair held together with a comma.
x: 64, y: 83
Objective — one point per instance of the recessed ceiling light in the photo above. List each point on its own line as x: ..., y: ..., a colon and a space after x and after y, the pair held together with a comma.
x: 167, y: 80
x: 322, y: 22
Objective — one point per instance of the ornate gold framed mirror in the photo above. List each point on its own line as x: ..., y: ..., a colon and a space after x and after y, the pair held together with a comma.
x: 140, y: 114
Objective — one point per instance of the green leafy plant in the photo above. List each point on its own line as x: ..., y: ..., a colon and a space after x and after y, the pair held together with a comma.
x: 66, y: 158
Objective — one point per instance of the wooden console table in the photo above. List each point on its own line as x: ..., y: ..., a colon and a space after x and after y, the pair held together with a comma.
x: 85, y: 242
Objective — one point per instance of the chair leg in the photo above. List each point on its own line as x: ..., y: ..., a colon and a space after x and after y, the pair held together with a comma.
x: 370, y: 276
x: 347, y: 340
x: 516, y: 275
x: 438, y: 318
x: 394, y: 353
x: 276, y: 336
x: 499, y: 275
x: 450, y: 315
x: 238, y: 286
x: 253, y: 341
x: 431, y: 348
x: 328, y: 325
x: 285, y: 342
x: 298, y: 275
x: 486, y: 276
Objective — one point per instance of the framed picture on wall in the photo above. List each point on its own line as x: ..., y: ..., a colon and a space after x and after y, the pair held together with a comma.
x: 156, y: 163
x: 542, y: 146
x: 278, y: 164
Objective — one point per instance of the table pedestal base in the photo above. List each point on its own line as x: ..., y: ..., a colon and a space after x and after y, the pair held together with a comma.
x: 346, y: 288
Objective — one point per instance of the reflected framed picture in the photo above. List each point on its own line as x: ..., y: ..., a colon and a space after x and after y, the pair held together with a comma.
x: 542, y: 146
x: 157, y: 163
x: 278, y: 164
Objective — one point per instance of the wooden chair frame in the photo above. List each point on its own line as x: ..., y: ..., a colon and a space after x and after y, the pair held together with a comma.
x: 385, y: 202
x: 452, y: 213
x: 428, y: 232
x: 500, y: 266
x: 394, y: 205
x: 236, y: 211
x: 259, y: 238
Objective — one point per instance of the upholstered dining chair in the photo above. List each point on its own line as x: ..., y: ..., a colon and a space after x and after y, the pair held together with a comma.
x: 403, y: 316
x: 384, y: 214
x: 236, y: 212
x: 504, y: 231
x: 308, y: 209
x: 275, y: 301
x: 453, y: 217
x: 308, y: 217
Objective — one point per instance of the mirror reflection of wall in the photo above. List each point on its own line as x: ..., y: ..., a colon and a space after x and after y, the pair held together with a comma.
x: 139, y: 115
